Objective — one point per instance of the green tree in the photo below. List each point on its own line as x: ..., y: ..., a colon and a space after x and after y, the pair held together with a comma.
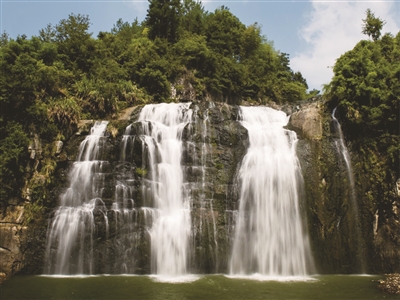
x: 193, y: 16
x: 4, y: 38
x: 224, y: 32
x: 48, y: 34
x: 251, y: 40
x: 163, y: 19
x: 366, y: 87
x: 156, y: 83
x: 13, y: 151
x: 75, y: 43
x: 372, y: 25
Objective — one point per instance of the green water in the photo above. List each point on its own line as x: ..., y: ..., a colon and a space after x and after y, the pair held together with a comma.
x: 205, y: 287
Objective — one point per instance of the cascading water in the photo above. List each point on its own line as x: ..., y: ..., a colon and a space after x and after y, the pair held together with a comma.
x: 269, y: 237
x: 342, y: 149
x: 147, y: 212
x: 162, y: 127
x: 70, y: 232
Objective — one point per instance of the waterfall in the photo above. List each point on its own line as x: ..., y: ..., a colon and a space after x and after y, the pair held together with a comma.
x: 160, y: 206
x: 269, y: 237
x: 342, y: 149
x: 162, y: 127
x: 70, y: 235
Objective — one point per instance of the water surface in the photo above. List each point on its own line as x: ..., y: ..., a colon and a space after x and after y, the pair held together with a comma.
x: 205, y: 287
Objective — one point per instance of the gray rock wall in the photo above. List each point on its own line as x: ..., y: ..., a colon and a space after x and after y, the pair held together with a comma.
x: 215, y: 143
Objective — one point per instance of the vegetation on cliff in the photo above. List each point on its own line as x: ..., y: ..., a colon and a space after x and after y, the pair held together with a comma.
x: 51, y: 81
x: 366, y: 84
x: 366, y: 89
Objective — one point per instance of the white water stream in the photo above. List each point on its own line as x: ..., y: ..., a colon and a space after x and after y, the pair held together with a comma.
x: 269, y: 237
x: 163, y: 125
x: 342, y: 149
x: 73, y: 224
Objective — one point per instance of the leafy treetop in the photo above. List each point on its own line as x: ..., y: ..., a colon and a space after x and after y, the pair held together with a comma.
x: 372, y: 25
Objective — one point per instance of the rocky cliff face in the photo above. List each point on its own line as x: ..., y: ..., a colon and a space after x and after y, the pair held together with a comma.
x: 334, y: 221
x: 11, y: 234
x: 346, y: 237
x: 352, y: 228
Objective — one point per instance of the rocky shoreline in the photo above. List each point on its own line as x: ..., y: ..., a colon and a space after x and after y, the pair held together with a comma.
x: 391, y: 284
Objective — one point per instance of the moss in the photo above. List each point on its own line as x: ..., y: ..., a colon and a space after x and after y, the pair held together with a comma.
x: 219, y: 166
x: 141, y: 172
x: 33, y: 213
x: 116, y: 127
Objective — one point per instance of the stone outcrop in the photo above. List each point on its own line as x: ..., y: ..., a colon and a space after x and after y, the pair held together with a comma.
x: 183, y: 90
x: 391, y: 284
x: 332, y: 217
x: 307, y: 121
x: 11, y: 237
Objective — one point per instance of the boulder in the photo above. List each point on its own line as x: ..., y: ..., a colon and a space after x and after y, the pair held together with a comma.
x: 307, y: 121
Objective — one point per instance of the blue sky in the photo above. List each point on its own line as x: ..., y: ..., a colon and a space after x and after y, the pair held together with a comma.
x: 313, y: 33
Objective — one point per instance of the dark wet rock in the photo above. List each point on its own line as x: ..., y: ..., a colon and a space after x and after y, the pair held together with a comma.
x: 213, y: 147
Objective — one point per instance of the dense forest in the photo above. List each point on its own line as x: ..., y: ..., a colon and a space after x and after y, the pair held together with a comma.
x: 51, y: 81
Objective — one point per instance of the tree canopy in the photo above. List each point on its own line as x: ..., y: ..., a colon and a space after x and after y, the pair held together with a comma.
x: 372, y: 25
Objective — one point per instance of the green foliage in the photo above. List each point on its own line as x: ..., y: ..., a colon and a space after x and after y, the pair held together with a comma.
x: 192, y: 52
x: 193, y: 17
x: 33, y: 212
x: 13, y: 146
x: 156, y: 83
x: 372, y: 25
x: 366, y: 87
x: 64, y: 112
x: 75, y: 45
x: 141, y: 172
x: 163, y: 19
x: 4, y: 39
x: 224, y: 32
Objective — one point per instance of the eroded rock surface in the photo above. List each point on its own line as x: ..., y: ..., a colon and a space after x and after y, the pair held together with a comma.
x: 214, y: 145
x: 11, y: 236
x: 307, y: 121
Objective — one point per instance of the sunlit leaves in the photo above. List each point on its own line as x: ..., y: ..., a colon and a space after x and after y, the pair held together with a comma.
x: 65, y: 112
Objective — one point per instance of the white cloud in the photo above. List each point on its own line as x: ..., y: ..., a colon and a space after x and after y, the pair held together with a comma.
x: 331, y: 29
